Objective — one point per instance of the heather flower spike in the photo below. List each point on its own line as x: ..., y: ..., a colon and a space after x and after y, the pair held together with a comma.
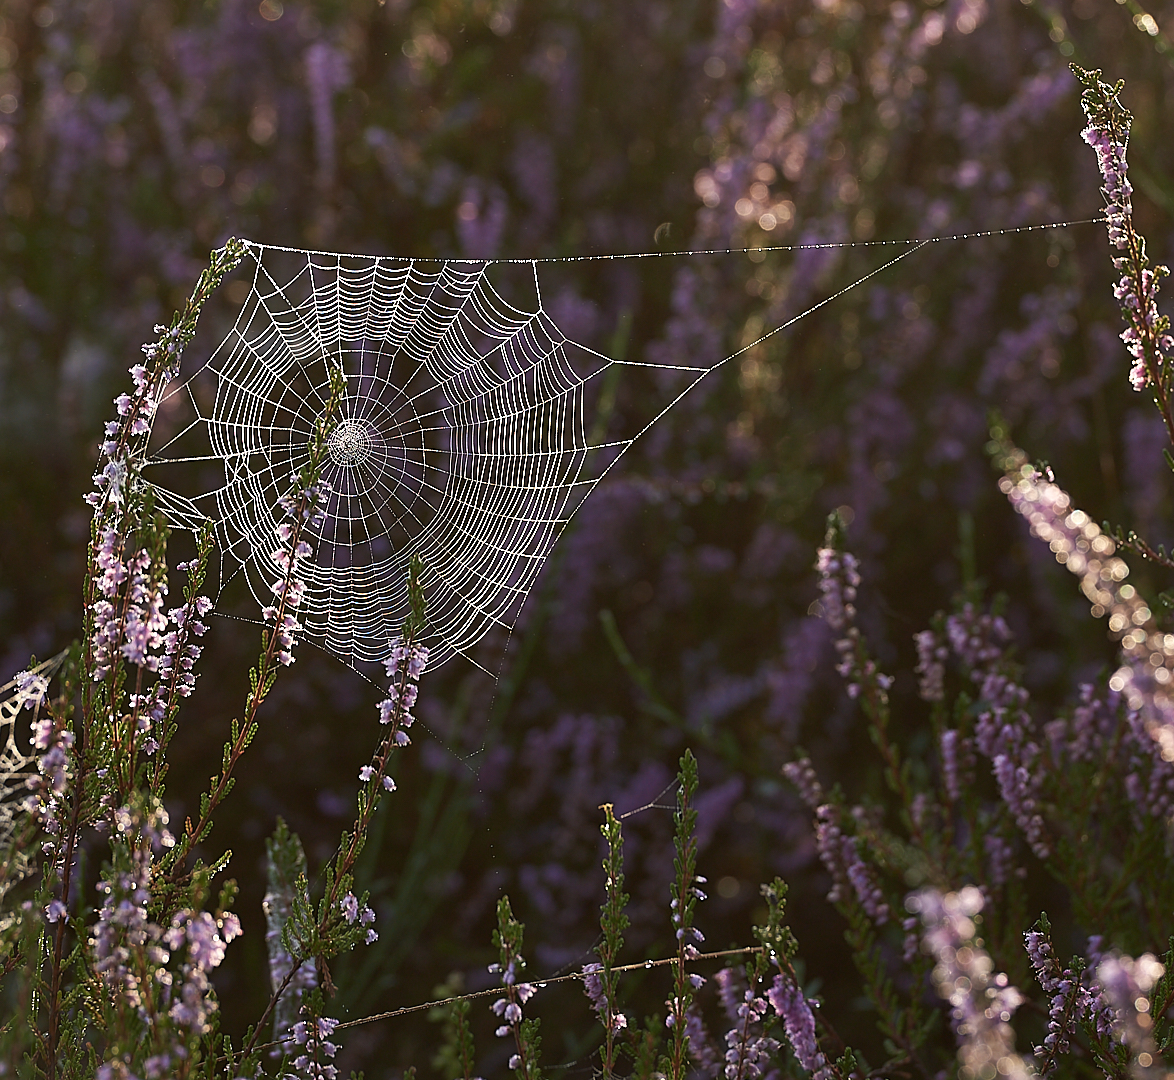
x: 785, y: 995
x: 839, y: 579
x: 982, y: 1001
x: 1071, y: 1003
x: 1147, y: 332
x: 507, y: 938
x: 125, y: 440
x: 1127, y: 984
x: 599, y: 980
x: 313, y: 1045
x: 1146, y: 678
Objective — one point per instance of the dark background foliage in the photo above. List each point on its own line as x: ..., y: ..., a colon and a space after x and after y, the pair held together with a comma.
x: 676, y: 610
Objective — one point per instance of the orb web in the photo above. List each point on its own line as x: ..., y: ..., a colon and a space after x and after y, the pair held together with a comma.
x: 463, y: 438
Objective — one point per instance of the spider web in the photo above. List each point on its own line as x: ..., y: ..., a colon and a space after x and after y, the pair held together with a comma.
x: 465, y: 437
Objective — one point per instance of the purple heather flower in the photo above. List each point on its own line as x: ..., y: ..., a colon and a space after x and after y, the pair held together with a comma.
x: 43, y: 732
x: 1018, y: 785
x: 55, y: 910
x: 977, y: 638
x: 999, y: 854
x: 1127, y: 983
x: 841, y: 856
x: 31, y: 689
x: 1069, y: 1001
x: 1147, y: 677
x: 314, y: 1036
x: 205, y: 945
x: 931, y: 660
x: 593, y: 986
x: 799, y: 1024
x: 801, y: 773
x: 730, y: 989
x: 748, y: 1047
x: 701, y: 1048
x: 839, y: 579
x: 982, y: 1002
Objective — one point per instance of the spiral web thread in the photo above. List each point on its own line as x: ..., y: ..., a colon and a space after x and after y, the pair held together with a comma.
x: 463, y: 438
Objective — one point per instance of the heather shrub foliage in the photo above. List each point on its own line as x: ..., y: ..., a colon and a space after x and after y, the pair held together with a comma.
x: 964, y: 771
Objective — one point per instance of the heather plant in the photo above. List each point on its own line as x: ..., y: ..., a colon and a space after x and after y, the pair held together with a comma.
x: 132, y: 960
x: 1007, y: 793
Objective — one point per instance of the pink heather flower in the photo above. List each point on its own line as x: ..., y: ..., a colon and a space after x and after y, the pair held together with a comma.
x: 1117, y: 190
x: 397, y: 652
x: 417, y: 661
x: 366, y: 773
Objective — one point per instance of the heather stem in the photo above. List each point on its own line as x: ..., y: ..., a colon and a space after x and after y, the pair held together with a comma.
x: 305, y: 502
x: 685, y: 897
x: 613, y: 922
